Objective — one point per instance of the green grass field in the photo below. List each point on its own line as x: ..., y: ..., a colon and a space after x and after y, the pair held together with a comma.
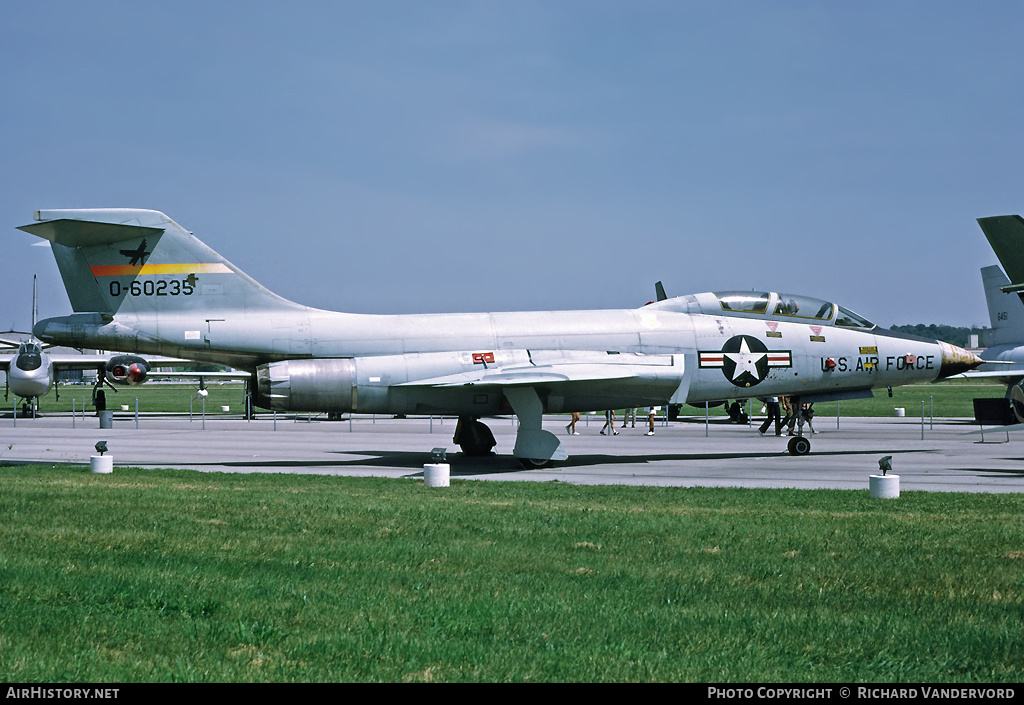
x: 162, y: 398
x: 167, y: 575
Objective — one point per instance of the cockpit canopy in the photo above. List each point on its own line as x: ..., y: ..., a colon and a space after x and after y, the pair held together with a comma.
x: 30, y: 357
x: 770, y: 305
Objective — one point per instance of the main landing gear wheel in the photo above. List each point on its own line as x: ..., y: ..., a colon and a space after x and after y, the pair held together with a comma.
x: 474, y: 437
x: 798, y: 445
x: 533, y: 463
x: 1017, y: 402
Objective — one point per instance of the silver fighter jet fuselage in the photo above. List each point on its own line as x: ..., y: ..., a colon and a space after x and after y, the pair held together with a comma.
x: 142, y: 283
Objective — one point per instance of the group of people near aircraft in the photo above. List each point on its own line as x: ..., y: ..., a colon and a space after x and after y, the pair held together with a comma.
x: 797, y: 414
x: 609, y: 422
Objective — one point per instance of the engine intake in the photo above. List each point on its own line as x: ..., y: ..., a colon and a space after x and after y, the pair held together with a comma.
x: 126, y: 370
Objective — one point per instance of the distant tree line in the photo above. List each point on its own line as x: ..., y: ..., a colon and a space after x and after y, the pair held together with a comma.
x: 950, y: 334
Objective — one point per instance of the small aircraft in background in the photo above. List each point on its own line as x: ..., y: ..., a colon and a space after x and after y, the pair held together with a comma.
x: 32, y: 370
x: 140, y: 282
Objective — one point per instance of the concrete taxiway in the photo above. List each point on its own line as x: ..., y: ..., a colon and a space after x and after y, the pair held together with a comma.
x: 939, y: 455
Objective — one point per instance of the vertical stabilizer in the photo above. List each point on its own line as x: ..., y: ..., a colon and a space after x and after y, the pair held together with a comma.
x: 1005, y: 311
x: 140, y: 262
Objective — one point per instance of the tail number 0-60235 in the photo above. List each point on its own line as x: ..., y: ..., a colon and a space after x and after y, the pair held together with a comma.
x: 153, y: 287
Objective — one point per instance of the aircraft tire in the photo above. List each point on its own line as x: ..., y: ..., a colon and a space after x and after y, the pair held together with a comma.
x: 1017, y: 402
x: 533, y: 463
x: 474, y: 437
x: 798, y: 445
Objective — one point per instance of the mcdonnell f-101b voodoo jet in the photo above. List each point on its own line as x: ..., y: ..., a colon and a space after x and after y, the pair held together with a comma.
x: 140, y: 282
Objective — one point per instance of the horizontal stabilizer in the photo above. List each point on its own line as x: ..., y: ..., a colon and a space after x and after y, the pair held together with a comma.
x: 85, y: 233
x: 1005, y: 234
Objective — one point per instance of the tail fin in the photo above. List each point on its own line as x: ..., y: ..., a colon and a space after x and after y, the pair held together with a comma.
x: 140, y: 262
x: 1005, y: 311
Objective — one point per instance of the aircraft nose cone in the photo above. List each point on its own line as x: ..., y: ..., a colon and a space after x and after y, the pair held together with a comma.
x: 137, y: 373
x: 956, y: 360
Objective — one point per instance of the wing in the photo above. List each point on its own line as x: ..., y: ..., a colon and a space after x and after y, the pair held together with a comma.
x: 63, y: 362
x: 234, y: 374
x: 1007, y: 374
x: 14, y: 342
x: 78, y: 362
x: 559, y: 367
x: 1011, y: 374
x: 97, y: 362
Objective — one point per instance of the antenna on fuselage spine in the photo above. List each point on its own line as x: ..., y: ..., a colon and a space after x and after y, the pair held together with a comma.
x: 659, y: 290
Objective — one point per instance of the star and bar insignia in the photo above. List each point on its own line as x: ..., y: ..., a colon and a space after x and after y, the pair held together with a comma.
x: 745, y: 360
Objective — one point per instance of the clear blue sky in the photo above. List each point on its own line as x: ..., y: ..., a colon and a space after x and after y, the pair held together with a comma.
x: 422, y: 156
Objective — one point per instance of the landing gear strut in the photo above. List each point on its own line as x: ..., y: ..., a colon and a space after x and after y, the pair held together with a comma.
x: 535, y: 447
